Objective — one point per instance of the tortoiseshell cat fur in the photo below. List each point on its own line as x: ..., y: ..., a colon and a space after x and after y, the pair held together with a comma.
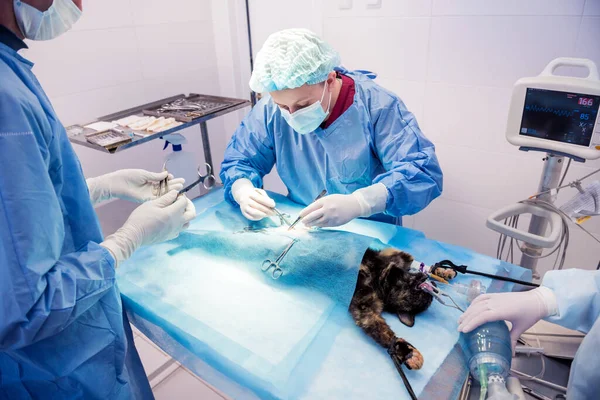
x: 385, y: 283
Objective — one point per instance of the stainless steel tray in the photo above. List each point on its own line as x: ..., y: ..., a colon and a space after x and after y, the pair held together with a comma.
x: 223, y: 105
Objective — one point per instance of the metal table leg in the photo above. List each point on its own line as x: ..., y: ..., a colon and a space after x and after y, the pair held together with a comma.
x: 206, y: 145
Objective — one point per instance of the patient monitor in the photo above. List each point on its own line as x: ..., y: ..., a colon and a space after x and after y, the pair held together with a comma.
x: 557, y: 114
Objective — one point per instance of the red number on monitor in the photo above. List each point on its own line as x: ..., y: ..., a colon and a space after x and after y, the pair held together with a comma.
x: 586, y: 102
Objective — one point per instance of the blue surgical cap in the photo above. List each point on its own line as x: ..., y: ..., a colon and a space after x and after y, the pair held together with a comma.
x: 292, y: 58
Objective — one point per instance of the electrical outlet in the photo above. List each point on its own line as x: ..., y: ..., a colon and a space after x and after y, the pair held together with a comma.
x: 345, y: 4
x: 372, y: 4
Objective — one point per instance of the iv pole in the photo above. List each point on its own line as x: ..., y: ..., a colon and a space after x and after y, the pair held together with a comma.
x: 550, y: 179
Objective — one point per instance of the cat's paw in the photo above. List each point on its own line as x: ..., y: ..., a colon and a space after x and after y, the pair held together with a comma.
x: 414, y: 360
x: 445, y: 273
x: 406, y: 353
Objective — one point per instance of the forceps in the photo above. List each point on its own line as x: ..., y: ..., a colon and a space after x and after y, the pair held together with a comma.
x: 277, y: 271
x: 320, y: 196
x: 207, y: 180
x: 282, y: 217
x: 163, y: 186
x: 437, y: 294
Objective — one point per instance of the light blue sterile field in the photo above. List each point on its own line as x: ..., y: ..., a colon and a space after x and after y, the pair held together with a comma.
x: 205, y: 299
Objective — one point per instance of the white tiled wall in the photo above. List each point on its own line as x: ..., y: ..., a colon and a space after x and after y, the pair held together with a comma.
x: 124, y: 53
x: 267, y: 17
x: 454, y: 63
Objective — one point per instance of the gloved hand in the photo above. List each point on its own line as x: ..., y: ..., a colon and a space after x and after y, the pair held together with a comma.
x: 332, y: 210
x: 339, y: 209
x: 522, y: 309
x: 153, y: 222
x: 136, y: 185
x: 255, y: 204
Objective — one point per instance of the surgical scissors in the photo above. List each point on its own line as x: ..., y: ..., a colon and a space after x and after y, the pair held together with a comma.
x: 277, y: 271
x: 208, y: 181
x: 209, y: 178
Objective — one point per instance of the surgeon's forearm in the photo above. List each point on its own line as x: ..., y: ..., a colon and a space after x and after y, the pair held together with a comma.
x: 232, y: 174
x: 372, y: 199
x: 577, y: 294
x: 412, y: 186
x: 56, y: 298
x: 98, y: 188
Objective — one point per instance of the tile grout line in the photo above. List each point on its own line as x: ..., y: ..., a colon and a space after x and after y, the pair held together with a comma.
x: 208, y: 385
x: 162, y: 369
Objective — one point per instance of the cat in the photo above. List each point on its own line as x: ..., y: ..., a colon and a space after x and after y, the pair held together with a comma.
x: 385, y: 283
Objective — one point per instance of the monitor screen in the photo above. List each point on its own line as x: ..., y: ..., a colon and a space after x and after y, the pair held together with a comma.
x: 560, y: 116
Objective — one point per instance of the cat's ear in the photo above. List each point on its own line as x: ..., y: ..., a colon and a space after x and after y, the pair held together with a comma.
x: 407, y: 319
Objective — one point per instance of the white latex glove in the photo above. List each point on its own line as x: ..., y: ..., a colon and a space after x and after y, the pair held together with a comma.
x: 255, y: 204
x: 521, y: 309
x: 153, y: 222
x: 339, y: 209
x: 136, y: 185
x: 332, y: 210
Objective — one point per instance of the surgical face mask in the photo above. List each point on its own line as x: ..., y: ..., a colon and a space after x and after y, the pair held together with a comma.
x: 309, y: 118
x: 46, y: 25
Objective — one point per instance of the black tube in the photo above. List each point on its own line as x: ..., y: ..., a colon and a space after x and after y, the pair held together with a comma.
x: 463, y: 269
x: 503, y: 278
x: 409, y: 388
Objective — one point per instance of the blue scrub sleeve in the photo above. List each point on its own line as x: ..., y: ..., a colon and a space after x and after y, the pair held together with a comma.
x: 413, y: 175
x: 251, y: 151
x: 577, y: 295
x: 43, y: 290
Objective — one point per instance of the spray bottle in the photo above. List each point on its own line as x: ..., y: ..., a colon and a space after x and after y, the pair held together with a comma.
x: 180, y: 163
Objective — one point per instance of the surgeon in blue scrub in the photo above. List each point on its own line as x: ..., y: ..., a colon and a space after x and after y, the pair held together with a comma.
x: 327, y: 128
x: 63, y: 332
x: 570, y: 298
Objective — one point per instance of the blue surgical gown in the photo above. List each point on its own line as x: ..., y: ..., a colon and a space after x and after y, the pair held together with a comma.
x: 63, y: 334
x: 376, y: 140
x: 578, y: 298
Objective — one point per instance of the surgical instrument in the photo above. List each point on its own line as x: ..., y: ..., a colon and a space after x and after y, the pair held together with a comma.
x: 250, y: 229
x: 109, y: 139
x: 321, y: 195
x: 438, y: 294
x: 463, y: 270
x: 282, y: 217
x: 533, y: 393
x: 163, y: 183
x: 209, y: 178
x: 277, y: 271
